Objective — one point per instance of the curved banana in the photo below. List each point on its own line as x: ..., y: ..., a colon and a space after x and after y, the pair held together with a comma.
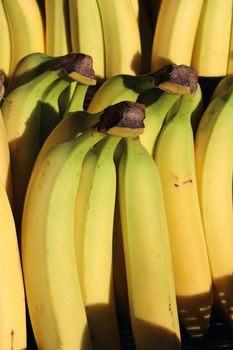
x: 57, y: 28
x: 151, y: 289
x: 175, y: 32
x: 87, y: 33
x: 121, y: 38
x: 26, y: 29
x: 5, y: 162
x: 171, y: 78
x: 28, y: 68
x: 211, y: 47
x: 214, y: 167
x: 175, y: 159
x: 94, y: 237
x: 5, y: 43
x: 48, y: 237
x: 12, y: 297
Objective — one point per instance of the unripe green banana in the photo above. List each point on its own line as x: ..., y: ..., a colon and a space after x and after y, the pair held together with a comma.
x: 222, y: 86
x: 175, y: 158
x: 171, y: 78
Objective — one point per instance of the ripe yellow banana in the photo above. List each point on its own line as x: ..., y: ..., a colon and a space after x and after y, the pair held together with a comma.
x: 94, y: 215
x: 211, y: 47
x: 4, y: 42
x: 87, y: 33
x: 151, y: 289
x: 57, y: 28
x: 12, y: 297
x: 174, y: 156
x: 121, y: 37
x: 230, y: 55
x: 171, y: 78
x: 175, y: 32
x: 26, y: 29
x: 214, y: 166
x: 48, y: 248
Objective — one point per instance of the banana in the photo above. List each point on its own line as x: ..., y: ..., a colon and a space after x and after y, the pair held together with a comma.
x: 171, y: 78
x: 230, y: 56
x: 214, y: 166
x: 158, y: 104
x: 76, y: 102
x: 121, y: 38
x: 57, y: 28
x: 211, y: 47
x: 4, y: 42
x: 12, y: 297
x: 26, y: 29
x: 173, y: 43
x: 29, y: 67
x: 5, y: 163
x: 48, y: 240
x: 222, y: 87
x: 174, y: 156
x: 151, y: 289
x: 94, y: 235
x: 86, y: 32
x: 22, y: 115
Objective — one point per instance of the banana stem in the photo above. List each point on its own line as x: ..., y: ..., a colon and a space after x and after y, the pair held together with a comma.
x: 77, y: 100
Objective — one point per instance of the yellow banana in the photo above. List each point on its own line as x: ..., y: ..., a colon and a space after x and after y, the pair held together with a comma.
x: 94, y: 235
x: 230, y: 55
x: 214, y: 166
x: 175, y: 32
x: 211, y: 47
x: 26, y: 29
x: 57, y: 28
x: 121, y: 38
x: 86, y: 32
x: 174, y: 156
x: 12, y: 297
x: 5, y: 43
x: 151, y: 289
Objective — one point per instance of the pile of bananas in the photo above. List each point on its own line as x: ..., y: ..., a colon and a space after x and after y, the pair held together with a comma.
x: 116, y: 173
x: 122, y: 36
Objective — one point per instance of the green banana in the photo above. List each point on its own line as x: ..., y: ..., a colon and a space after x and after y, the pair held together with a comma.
x: 29, y: 67
x: 214, y: 167
x: 149, y: 271
x: 222, y: 87
x: 158, y: 104
x: 175, y: 159
x: 171, y: 78
x: 22, y: 116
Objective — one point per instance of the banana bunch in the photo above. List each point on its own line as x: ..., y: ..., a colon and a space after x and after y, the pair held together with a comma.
x: 81, y: 263
x: 31, y: 110
x: 198, y: 34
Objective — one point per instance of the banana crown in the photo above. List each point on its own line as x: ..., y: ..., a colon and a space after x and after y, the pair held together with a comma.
x: 123, y: 119
x: 177, y: 79
x: 77, y: 66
